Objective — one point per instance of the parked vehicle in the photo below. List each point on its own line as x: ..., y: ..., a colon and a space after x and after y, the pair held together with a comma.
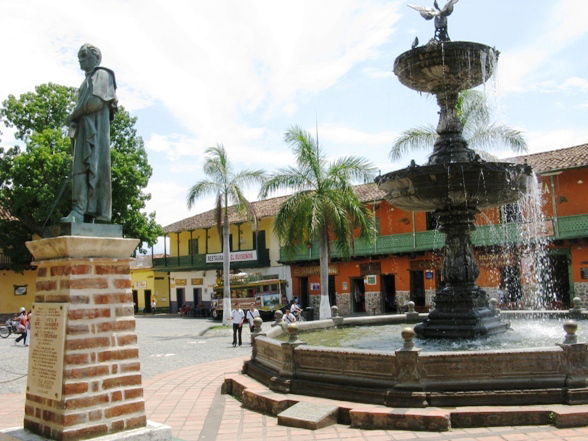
x: 8, y: 328
x: 269, y: 295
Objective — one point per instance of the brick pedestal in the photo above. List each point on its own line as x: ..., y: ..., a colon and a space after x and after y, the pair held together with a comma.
x: 101, y: 387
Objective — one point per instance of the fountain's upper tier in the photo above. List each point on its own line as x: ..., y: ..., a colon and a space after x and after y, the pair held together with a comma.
x: 476, y: 184
x: 450, y: 66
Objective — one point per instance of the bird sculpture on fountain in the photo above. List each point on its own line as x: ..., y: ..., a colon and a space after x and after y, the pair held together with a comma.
x: 440, y: 16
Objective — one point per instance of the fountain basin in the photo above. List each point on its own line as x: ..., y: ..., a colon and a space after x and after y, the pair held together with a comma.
x: 446, y: 66
x: 411, y: 378
x: 470, y: 184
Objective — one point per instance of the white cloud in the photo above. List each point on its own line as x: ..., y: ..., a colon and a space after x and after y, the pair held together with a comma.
x: 567, y: 23
x: 168, y: 200
x: 372, y: 72
x: 359, y: 139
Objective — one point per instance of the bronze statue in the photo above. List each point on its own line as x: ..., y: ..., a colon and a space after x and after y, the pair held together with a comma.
x: 90, y: 132
x: 440, y: 16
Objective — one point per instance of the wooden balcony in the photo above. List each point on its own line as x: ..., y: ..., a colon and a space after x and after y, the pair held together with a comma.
x: 197, y: 262
x: 567, y: 227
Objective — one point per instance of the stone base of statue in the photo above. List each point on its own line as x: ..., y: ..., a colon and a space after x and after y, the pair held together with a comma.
x: 83, y: 229
x: 84, y: 378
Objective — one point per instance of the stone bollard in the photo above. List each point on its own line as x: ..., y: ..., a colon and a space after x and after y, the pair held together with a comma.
x: 575, y: 363
x: 408, y: 391
x: 411, y: 315
x: 493, y: 304
x: 576, y: 310
x: 278, y: 316
x: 257, y: 332
x: 282, y: 382
x: 337, y: 319
x: 408, y: 337
x: 570, y: 327
x: 257, y: 324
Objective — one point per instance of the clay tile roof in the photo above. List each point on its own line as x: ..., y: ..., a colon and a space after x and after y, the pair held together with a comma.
x: 555, y: 160
x: 264, y: 208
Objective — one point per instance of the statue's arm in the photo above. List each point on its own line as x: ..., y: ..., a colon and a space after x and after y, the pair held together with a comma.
x: 102, y: 91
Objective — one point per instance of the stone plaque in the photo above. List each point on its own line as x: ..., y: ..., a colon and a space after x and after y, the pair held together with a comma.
x: 48, y: 324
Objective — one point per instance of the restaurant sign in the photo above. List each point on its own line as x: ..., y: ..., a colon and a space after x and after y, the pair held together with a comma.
x: 236, y: 256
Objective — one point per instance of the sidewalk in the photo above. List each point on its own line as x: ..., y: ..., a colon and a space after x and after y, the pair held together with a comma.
x: 189, y: 400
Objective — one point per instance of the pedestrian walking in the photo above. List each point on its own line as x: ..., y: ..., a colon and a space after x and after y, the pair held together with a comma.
x: 252, y: 312
x: 237, y: 317
x: 21, y: 327
x: 153, y: 305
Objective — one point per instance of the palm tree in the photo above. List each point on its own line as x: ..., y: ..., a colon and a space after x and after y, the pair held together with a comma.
x: 323, y: 203
x: 479, y: 132
x: 227, y: 188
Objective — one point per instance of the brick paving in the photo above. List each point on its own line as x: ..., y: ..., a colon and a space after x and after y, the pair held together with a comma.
x: 189, y: 400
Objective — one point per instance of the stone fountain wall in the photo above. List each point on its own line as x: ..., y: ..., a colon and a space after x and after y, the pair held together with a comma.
x: 410, y: 378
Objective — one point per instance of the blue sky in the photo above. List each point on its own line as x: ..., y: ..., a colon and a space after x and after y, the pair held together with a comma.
x: 241, y: 72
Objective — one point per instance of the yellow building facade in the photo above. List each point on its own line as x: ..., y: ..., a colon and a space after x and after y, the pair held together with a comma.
x: 16, y: 290
x: 148, y: 285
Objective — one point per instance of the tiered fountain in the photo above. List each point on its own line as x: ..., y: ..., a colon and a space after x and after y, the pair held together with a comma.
x: 455, y: 183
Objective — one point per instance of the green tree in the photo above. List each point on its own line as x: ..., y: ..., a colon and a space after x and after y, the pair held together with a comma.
x: 34, y: 174
x: 323, y: 203
x: 478, y: 129
x: 227, y: 188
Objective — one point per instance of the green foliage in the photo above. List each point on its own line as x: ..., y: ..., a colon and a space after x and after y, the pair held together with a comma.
x: 34, y: 175
x: 324, y: 199
x: 224, y: 184
x: 478, y: 129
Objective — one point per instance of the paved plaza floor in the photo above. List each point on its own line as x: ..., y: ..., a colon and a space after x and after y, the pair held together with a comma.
x: 183, y: 391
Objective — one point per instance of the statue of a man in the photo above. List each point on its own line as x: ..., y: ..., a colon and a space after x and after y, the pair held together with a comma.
x: 90, y: 132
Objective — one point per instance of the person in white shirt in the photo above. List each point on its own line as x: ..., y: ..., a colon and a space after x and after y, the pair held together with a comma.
x: 252, y: 312
x: 296, y: 309
x: 289, y: 317
x: 238, y: 317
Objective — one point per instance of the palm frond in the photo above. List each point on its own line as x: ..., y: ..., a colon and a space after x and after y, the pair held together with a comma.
x: 420, y: 138
x: 498, y: 136
x: 352, y: 168
x: 285, y: 179
x: 308, y: 155
x: 472, y: 110
x: 200, y: 189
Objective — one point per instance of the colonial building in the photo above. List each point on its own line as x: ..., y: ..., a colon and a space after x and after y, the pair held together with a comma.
x: 148, y: 286
x: 17, y: 289
x: 402, y: 262
x: 194, y: 262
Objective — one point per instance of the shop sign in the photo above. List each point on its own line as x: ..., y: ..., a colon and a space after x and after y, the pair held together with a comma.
x: 584, y: 273
x: 197, y: 282
x: 180, y: 282
x: 370, y: 268
x: 315, y: 286
x: 305, y: 271
x: 421, y: 265
x: 141, y: 284
x: 371, y: 279
x: 428, y: 275
x: 236, y: 256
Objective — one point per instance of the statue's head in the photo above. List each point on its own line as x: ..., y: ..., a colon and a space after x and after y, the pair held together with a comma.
x: 89, y: 57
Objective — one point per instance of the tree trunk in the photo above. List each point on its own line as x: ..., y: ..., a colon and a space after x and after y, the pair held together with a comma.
x: 226, y: 271
x: 325, y: 306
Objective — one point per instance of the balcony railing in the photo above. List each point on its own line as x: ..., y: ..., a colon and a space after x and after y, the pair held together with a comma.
x: 568, y: 227
x: 197, y: 262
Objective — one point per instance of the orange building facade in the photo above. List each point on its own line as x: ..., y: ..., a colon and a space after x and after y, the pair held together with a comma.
x: 403, y: 262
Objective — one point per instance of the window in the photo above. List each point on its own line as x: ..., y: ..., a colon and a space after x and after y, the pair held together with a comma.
x: 193, y: 246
